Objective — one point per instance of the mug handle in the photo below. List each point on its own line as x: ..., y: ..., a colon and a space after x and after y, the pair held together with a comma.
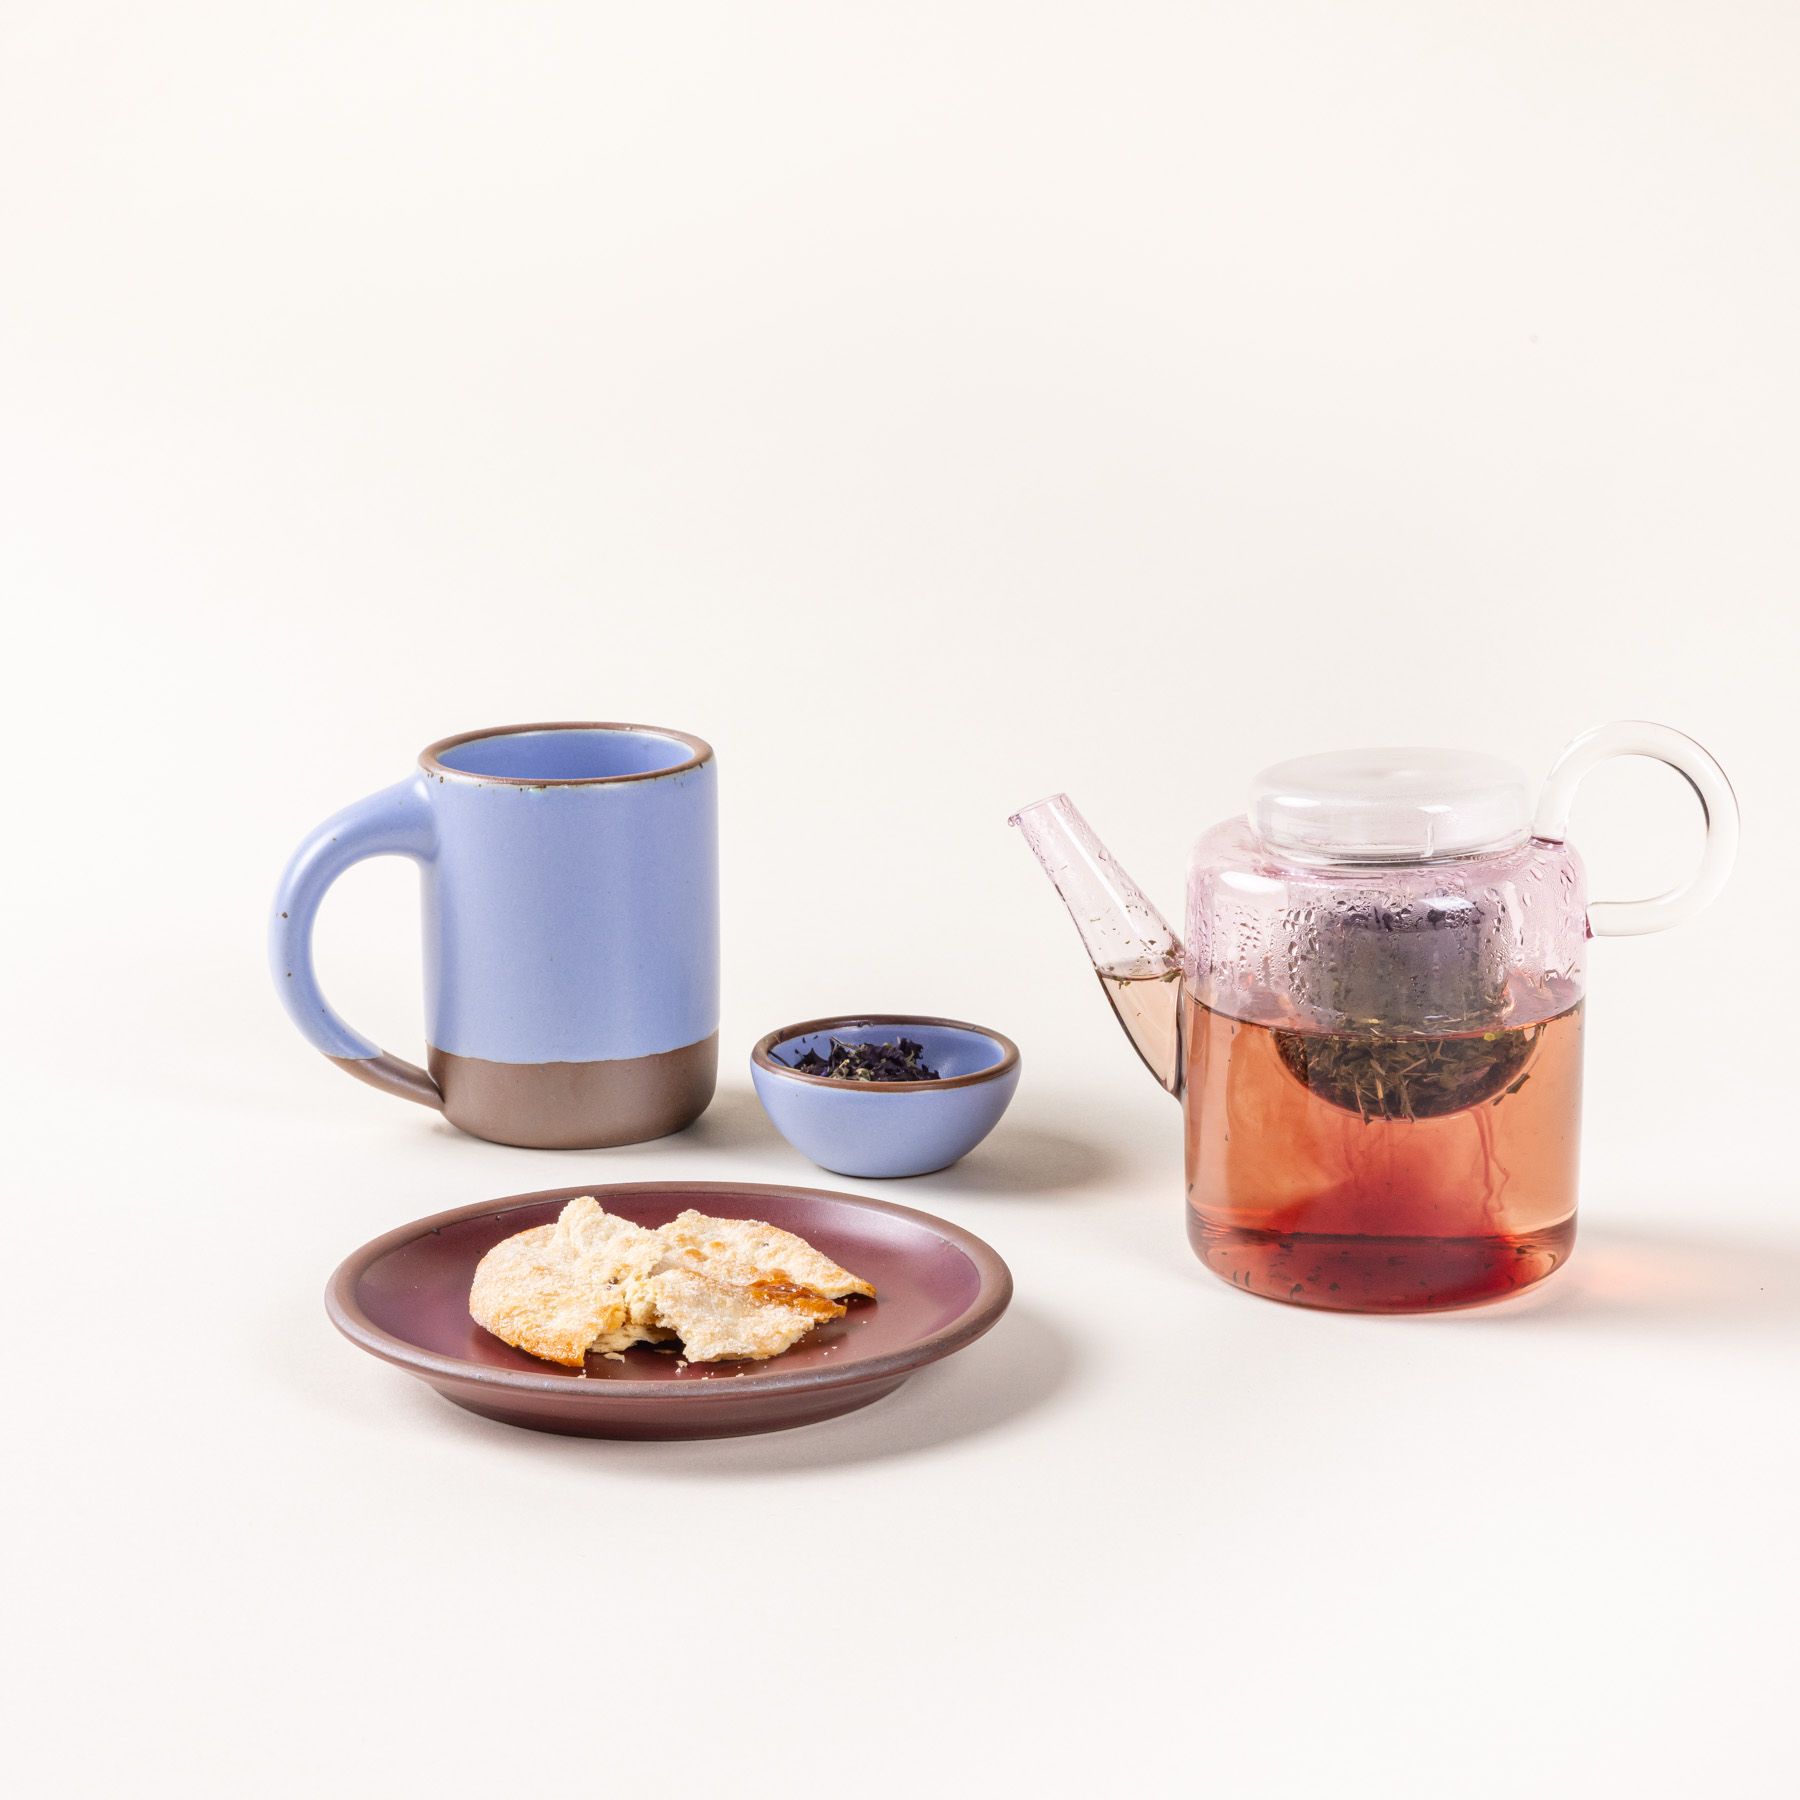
x: 395, y: 822
x: 1638, y: 737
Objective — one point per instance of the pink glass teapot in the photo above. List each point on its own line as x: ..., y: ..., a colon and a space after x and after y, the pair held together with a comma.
x: 1374, y: 1024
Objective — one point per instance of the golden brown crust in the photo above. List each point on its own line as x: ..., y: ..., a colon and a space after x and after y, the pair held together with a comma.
x: 745, y: 1250
x: 719, y: 1322
x: 730, y: 1289
x: 560, y: 1291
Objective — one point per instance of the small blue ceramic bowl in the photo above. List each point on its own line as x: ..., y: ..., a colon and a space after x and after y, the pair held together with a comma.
x: 875, y: 1128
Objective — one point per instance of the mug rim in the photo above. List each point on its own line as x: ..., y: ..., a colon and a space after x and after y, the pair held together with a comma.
x: 429, y: 757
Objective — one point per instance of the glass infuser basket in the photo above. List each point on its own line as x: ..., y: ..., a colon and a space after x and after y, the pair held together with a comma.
x: 1374, y: 1024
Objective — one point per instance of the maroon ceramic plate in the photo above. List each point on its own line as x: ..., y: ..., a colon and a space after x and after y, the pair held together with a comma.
x: 405, y: 1298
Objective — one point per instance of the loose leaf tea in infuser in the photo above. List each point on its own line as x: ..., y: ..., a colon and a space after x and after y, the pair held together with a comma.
x: 900, y: 1061
x: 1408, y: 1077
x: 1388, y: 970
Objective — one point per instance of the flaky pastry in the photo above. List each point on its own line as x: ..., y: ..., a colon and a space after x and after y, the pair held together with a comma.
x: 729, y: 1289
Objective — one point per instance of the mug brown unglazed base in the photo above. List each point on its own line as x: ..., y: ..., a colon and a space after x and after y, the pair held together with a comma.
x: 575, y: 1105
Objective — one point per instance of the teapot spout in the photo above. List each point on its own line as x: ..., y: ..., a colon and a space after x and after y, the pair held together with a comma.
x: 1135, y: 954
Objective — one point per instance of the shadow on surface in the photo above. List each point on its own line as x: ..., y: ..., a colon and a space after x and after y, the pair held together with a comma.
x: 734, y: 1120
x: 1007, y: 1374
x: 1686, y: 1284
x: 1021, y: 1159
x: 1018, y: 1159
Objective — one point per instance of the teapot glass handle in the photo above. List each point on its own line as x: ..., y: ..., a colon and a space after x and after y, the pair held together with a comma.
x: 1637, y: 737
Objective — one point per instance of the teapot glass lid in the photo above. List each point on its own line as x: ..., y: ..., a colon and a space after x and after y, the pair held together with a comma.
x: 1390, y: 805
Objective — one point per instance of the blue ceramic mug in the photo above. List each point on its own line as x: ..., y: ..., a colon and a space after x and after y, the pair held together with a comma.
x: 571, y: 924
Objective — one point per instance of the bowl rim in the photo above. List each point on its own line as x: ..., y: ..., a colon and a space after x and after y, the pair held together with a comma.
x: 761, y: 1058
x: 993, y: 1292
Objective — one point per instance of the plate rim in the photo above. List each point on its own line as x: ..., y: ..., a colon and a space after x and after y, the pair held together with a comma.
x: 993, y: 1292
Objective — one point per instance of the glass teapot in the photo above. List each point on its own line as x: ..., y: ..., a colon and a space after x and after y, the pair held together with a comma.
x: 1374, y: 1024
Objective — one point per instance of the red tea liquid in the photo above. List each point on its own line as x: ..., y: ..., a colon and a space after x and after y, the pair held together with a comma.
x: 1312, y: 1200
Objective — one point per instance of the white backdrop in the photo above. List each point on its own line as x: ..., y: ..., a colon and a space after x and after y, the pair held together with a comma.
x: 933, y: 406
